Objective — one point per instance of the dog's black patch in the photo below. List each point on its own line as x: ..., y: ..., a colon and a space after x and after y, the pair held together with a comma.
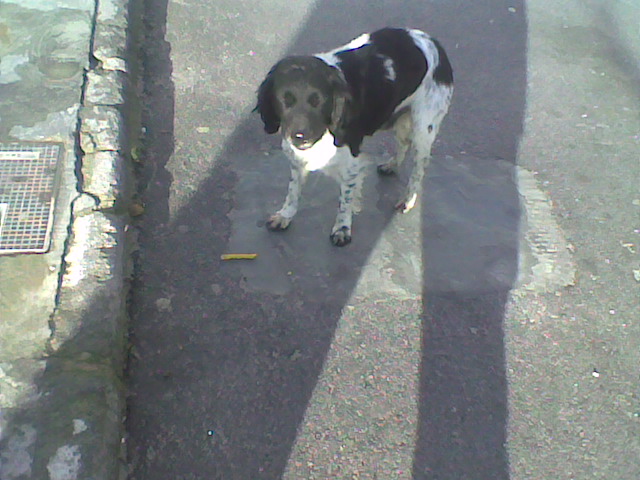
x: 375, y: 96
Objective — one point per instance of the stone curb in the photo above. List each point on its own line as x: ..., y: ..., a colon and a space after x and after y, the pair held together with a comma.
x: 88, y: 342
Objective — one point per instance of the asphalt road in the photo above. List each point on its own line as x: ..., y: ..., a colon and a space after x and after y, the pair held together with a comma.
x: 394, y: 357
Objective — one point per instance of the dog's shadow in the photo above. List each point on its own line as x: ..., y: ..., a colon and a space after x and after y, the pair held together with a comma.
x: 303, y: 254
x: 469, y: 205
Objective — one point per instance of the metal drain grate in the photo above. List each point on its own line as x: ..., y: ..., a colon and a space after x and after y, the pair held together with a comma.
x: 28, y: 183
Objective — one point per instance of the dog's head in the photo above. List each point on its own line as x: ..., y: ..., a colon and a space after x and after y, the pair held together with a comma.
x: 303, y: 97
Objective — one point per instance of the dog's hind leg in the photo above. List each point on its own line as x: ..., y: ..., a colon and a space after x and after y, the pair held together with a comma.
x: 423, y: 140
x: 282, y: 218
x: 403, y: 130
x: 427, y: 117
x: 350, y: 185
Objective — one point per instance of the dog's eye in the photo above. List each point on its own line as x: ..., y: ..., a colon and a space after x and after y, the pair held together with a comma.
x: 289, y: 99
x: 314, y: 100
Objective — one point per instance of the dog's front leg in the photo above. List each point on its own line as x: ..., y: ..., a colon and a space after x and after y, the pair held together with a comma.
x: 282, y: 218
x: 350, y: 184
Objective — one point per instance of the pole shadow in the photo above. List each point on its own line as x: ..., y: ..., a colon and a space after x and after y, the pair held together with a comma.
x: 226, y: 356
x: 470, y: 252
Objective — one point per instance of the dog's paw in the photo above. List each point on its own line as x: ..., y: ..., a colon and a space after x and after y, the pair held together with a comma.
x: 341, y: 237
x: 386, y: 169
x: 277, y: 222
x: 407, y: 203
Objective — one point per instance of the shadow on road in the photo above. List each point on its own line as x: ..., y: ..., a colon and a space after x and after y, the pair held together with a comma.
x: 227, y: 356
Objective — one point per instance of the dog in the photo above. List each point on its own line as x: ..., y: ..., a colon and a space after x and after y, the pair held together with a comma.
x: 325, y: 104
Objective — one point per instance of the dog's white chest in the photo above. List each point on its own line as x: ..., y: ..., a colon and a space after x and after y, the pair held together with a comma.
x: 317, y: 157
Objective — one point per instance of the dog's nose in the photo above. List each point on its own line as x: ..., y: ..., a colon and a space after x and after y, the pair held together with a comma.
x: 300, y: 139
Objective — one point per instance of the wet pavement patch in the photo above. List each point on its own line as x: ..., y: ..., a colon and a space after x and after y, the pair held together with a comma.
x: 28, y: 180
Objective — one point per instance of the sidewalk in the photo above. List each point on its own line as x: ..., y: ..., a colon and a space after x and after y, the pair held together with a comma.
x: 63, y: 79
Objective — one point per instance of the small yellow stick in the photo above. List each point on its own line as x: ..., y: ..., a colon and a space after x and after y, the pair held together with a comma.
x: 238, y: 256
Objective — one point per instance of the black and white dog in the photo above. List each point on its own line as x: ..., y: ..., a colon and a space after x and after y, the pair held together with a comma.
x: 325, y: 104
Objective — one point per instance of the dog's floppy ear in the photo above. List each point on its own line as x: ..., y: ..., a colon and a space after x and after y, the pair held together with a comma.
x: 266, y: 104
x: 340, y: 105
x: 343, y: 114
